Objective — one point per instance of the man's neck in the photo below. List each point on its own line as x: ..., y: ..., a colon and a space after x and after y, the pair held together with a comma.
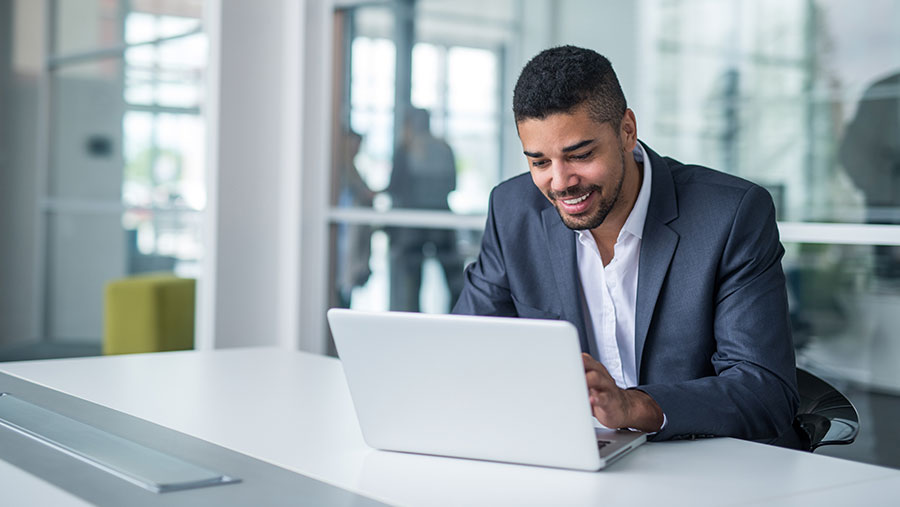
x: 607, y: 233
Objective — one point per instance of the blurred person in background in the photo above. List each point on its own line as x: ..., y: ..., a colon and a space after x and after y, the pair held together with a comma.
x: 423, y: 176
x: 870, y: 153
x: 353, y: 240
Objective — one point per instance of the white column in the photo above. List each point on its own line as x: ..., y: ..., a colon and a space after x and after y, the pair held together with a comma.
x: 268, y: 159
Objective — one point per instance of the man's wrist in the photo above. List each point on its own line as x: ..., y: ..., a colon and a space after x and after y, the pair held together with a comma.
x: 644, y: 413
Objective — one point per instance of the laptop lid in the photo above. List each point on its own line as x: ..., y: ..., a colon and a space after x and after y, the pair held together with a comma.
x: 490, y: 388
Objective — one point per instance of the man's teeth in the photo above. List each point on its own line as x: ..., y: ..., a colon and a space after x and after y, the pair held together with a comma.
x: 577, y: 199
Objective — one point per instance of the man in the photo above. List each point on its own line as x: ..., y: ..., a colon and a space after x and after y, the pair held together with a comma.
x: 671, y: 272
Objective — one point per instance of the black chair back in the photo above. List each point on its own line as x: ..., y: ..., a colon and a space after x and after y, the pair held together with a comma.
x: 825, y: 416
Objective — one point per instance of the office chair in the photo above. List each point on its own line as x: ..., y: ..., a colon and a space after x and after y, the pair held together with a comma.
x: 825, y: 416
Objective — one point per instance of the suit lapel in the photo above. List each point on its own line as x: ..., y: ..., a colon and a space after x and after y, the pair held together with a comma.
x: 657, y: 249
x: 561, y: 242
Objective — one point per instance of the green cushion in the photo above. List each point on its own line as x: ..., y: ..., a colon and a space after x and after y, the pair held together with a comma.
x: 148, y: 313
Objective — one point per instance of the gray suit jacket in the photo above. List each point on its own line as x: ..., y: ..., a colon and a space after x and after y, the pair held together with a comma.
x: 712, y: 336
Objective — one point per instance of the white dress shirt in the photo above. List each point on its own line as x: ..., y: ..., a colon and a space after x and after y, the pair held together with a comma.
x: 610, y: 292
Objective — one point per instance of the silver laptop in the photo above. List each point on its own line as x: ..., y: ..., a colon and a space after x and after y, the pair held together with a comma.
x: 488, y: 388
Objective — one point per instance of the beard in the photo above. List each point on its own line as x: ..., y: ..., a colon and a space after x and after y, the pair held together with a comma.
x: 591, y: 218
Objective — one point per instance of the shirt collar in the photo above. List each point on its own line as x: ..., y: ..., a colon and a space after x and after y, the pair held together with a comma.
x: 634, y: 224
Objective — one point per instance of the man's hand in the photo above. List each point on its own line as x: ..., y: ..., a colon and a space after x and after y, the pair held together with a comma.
x: 619, y: 408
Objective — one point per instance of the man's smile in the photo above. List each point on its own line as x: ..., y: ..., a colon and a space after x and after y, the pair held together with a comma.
x: 581, y: 202
x: 577, y: 199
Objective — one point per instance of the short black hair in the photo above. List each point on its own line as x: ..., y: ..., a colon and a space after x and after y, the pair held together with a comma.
x: 560, y: 79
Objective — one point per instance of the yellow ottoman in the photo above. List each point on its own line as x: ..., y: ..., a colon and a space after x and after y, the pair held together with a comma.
x: 148, y: 313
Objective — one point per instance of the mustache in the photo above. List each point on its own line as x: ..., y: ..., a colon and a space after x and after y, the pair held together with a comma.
x: 573, y: 191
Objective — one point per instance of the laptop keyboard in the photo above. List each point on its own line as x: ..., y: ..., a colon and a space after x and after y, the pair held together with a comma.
x: 602, y: 443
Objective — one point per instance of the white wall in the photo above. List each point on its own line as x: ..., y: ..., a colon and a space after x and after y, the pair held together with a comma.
x: 268, y: 161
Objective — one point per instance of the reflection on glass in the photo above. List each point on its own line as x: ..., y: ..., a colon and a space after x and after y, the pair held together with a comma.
x: 870, y: 154
x: 870, y: 150
x: 844, y: 313
x: 776, y: 103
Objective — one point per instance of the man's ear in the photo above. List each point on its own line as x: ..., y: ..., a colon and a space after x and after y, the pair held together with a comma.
x: 628, y: 130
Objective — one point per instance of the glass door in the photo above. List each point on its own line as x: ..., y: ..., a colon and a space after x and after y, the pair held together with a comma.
x: 123, y: 185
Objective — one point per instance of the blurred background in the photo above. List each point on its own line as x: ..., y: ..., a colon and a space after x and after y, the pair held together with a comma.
x: 290, y: 156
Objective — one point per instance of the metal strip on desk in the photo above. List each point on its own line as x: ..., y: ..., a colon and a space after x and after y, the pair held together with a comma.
x: 35, y: 415
x: 141, y: 465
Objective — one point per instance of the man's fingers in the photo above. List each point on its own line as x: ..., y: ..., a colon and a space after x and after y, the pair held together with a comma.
x: 596, y: 374
x: 602, y: 390
x: 598, y: 397
x: 590, y: 364
x: 595, y: 380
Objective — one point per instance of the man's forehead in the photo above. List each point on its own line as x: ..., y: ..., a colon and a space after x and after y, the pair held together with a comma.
x: 560, y: 131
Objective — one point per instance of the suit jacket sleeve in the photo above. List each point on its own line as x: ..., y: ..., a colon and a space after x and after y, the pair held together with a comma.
x: 753, y: 393
x: 486, y: 290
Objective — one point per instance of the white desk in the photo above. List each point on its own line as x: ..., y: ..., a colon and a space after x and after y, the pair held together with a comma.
x: 293, y: 409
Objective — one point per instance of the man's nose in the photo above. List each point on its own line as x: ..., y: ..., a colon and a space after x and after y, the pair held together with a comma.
x: 563, y: 177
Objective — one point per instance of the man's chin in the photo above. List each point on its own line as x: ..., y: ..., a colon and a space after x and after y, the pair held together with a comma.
x: 581, y: 222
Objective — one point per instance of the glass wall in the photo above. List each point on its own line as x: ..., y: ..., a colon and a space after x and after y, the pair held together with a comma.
x: 416, y: 135
x: 124, y: 179
x: 799, y: 96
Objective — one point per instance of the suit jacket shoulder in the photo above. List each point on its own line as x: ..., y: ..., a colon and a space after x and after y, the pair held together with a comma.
x: 518, y: 195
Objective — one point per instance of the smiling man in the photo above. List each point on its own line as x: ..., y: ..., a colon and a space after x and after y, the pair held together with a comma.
x: 671, y: 272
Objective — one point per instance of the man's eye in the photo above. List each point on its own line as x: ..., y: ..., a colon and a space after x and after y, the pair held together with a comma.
x: 538, y: 163
x: 582, y: 156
